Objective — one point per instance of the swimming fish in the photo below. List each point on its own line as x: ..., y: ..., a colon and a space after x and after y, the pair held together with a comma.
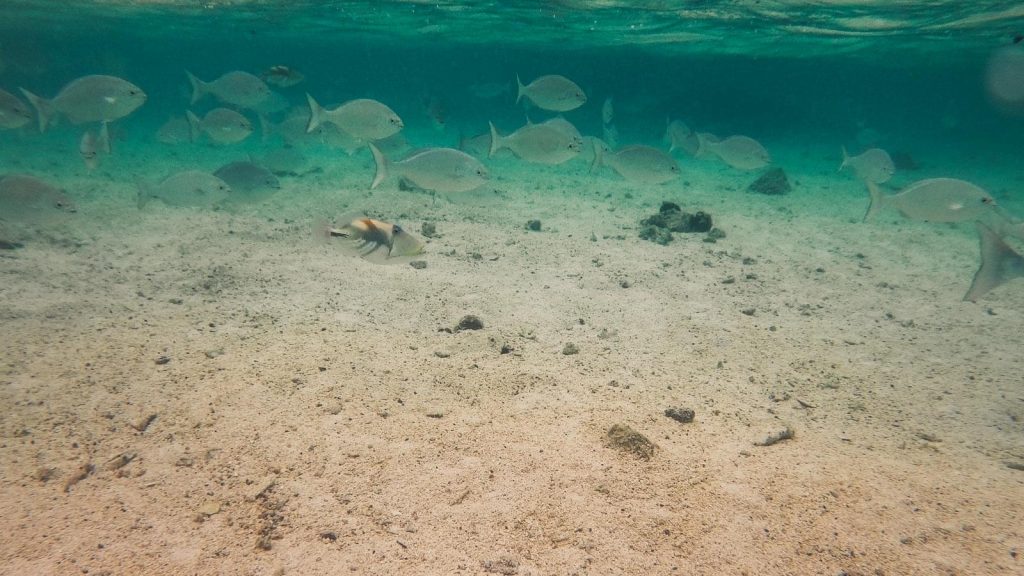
x: 540, y: 143
x: 175, y: 131
x: 221, y: 125
x: 435, y: 169
x: 188, y: 188
x: 236, y: 88
x: 22, y: 195
x: 637, y: 163
x: 89, y: 99
x: 364, y: 119
x: 282, y: 76
x: 478, y: 145
x: 92, y: 145
x: 552, y: 92
x: 680, y: 136
x: 373, y: 240
x: 872, y: 165
x: 247, y: 180
x: 741, y: 152
x: 999, y: 264
x: 13, y: 112
x: 935, y: 200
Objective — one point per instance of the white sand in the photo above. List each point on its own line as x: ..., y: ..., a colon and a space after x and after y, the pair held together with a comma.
x: 292, y: 363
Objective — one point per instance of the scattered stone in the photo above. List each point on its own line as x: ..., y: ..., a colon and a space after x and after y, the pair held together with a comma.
x: 714, y: 235
x: 214, y: 353
x: 209, y: 508
x: 435, y: 415
x: 773, y: 183
x: 670, y: 218
x: 119, y: 461
x: 143, y: 423
x: 569, y: 349
x: 418, y: 264
x: 533, y: 225
x: 469, y: 322
x: 429, y: 229
x: 749, y: 311
x: 260, y: 488
x: 626, y: 439
x: 329, y: 536
x: 656, y: 235
x: 505, y: 349
x: 44, y: 474
x: 176, y: 301
x: 1014, y: 465
x: 625, y: 283
x: 442, y: 353
x: 505, y: 565
x: 681, y: 415
x: 162, y: 360
x: 9, y: 245
x: 776, y: 437
x: 78, y: 475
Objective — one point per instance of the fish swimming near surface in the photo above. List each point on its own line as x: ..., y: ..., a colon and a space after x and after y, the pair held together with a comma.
x: 282, y: 76
x: 539, y: 143
x: 999, y: 264
x: 373, y: 240
x: 552, y: 92
x: 188, y: 188
x: 872, y: 165
x: 434, y: 169
x: 23, y: 195
x: 221, y: 125
x: 740, y: 152
x: 89, y: 99
x: 13, y: 112
x: 935, y: 200
x: 637, y: 163
x: 91, y: 146
x: 364, y: 119
x: 237, y: 88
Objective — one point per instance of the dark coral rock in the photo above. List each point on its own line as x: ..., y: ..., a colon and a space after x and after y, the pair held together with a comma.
x: 772, y: 183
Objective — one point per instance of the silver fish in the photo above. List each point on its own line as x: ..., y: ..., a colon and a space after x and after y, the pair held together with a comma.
x: 873, y: 165
x: 188, y: 188
x: 741, y: 152
x: 89, y: 99
x: 999, y: 264
x: 638, y: 163
x: 13, y: 112
x: 435, y: 169
x: 221, y: 125
x: 91, y: 146
x: 175, y: 131
x: 237, y: 88
x: 22, y: 195
x: 247, y: 178
x: 364, y: 119
x: 540, y: 143
x: 935, y: 200
x: 552, y: 92
x: 680, y: 136
x: 282, y: 76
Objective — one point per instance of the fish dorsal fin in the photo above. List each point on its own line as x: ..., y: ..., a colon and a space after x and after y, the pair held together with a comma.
x: 999, y: 264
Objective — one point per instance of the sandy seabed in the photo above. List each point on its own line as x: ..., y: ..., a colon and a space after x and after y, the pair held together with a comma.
x: 249, y: 401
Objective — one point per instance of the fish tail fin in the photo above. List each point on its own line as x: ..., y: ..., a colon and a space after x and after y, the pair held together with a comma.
x: 497, y: 142
x: 382, y: 166
x: 103, y: 140
x: 999, y: 264
x: 846, y: 159
x: 44, y: 109
x: 198, y: 87
x: 142, y: 193
x: 195, y: 126
x: 598, y: 154
x: 877, y: 200
x: 520, y: 88
x: 316, y: 114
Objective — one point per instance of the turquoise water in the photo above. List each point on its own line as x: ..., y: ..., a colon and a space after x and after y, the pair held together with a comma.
x: 400, y: 444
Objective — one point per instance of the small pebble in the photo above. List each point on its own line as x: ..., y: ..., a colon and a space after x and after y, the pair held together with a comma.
x: 682, y: 415
x: 570, y: 349
x: 533, y: 225
x: 163, y: 360
x: 442, y: 353
x: 469, y: 322
x: 418, y: 264
x: 429, y: 229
